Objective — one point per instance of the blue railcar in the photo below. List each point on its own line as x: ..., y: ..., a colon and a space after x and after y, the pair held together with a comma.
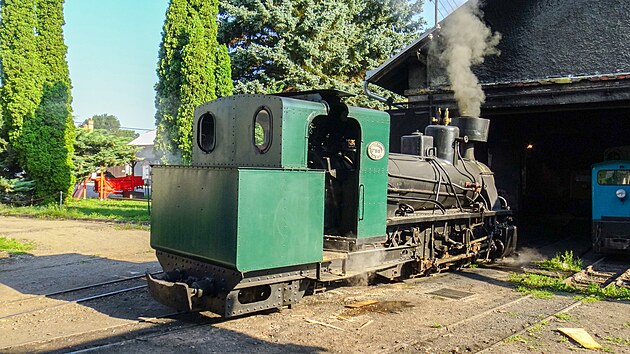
x: 611, y: 206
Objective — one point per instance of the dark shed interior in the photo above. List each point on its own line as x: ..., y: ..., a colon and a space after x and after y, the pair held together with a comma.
x: 558, y: 97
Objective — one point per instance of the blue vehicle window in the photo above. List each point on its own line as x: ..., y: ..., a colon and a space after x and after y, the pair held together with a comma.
x: 613, y: 177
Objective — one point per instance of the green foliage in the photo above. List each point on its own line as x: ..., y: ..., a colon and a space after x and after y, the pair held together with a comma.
x: 192, y: 69
x: 91, y: 209
x: 14, y: 246
x: 16, y: 190
x: 100, y: 148
x: 223, y: 72
x: 516, y: 339
x: 586, y: 299
x: 259, y: 134
x: 35, y: 95
x: 613, y: 292
x: 564, y: 316
x: 536, y: 284
x: 19, y: 58
x: 47, y: 142
x: 564, y: 262
x: 308, y: 44
x: 104, y: 121
x: 537, y: 327
x: 111, y: 124
x: 618, y: 340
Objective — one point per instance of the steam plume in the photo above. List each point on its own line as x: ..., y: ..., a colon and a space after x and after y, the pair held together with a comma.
x: 467, y: 41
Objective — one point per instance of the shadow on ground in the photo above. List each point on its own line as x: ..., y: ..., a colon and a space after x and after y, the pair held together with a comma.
x: 25, y: 276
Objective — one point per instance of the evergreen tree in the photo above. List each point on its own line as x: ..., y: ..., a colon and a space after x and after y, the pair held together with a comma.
x: 223, y: 72
x: 36, y: 93
x: 19, y: 58
x: 192, y: 69
x: 306, y: 44
x: 47, y: 141
x: 100, y: 147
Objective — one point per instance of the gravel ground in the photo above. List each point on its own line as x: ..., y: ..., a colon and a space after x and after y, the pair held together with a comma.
x: 406, y: 318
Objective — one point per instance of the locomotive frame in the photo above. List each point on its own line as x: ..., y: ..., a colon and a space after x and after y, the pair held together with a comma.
x: 256, y: 220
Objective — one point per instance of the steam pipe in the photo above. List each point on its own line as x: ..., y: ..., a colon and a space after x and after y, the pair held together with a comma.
x: 379, y: 98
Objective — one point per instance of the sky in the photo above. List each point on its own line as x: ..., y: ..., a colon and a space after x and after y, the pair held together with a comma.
x: 112, y: 57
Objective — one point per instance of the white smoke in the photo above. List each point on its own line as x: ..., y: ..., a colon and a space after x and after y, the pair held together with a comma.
x: 467, y: 40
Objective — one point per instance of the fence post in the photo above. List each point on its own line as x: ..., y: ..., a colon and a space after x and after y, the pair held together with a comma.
x: 60, y: 199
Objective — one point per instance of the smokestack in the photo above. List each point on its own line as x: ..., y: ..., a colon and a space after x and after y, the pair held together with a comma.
x: 466, y: 41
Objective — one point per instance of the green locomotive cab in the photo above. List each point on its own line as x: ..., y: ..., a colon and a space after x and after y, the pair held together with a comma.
x: 270, y: 176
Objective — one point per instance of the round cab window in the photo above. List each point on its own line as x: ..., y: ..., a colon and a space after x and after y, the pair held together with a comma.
x: 206, y: 133
x: 262, y: 130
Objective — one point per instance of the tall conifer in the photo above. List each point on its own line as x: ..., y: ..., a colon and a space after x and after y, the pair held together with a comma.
x: 19, y: 58
x: 191, y: 70
x: 36, y: 93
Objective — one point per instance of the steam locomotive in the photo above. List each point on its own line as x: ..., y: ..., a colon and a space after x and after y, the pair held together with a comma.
x: 287, y: 191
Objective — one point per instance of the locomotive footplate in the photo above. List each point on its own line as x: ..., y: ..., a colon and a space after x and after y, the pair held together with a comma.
x: 191, y: 285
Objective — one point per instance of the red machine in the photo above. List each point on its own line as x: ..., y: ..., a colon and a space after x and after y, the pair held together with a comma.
x: 121, y: 185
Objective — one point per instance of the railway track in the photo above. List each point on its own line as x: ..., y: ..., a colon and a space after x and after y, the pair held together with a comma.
x: 600, y: 273
x: 75, y: 295
x: 164, y: 324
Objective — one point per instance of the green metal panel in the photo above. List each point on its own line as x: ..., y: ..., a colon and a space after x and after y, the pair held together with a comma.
x: 234, y: 117
x: 224, y: 150
x: 297, y: 116
x: 194, y: 212
x: 373, y: 173
x: 280, y: 218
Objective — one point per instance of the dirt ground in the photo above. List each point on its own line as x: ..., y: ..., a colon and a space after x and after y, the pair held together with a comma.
x: 407, y: 317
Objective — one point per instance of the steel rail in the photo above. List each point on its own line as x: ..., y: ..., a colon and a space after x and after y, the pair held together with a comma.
x: 79, y: 288
x: 89, y: 298
x: 546, y: 319
x: 449, y: 327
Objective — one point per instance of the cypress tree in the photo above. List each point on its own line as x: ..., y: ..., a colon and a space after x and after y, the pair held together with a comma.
x: 192, y: 69
x: 223, y: 76
x: 36, y: 96
x: 19, y: 58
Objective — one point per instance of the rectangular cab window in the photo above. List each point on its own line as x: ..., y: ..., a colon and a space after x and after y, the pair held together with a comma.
x: 613, y: 177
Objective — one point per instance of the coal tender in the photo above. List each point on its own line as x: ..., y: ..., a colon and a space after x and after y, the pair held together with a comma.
x: 288, y: 191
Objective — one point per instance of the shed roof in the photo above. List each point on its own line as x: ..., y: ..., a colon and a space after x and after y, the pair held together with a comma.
x: 542, y: 40
x: 144, y: 139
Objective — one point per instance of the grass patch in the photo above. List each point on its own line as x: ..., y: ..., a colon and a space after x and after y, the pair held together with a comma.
x: 436, y: 325
x: 531, y: 331
x: 111, y: 210
x: 565, y: 316
x: 618, y: 340
x: 516, y: 339
x: 563, y: 262
x: 586, y: 299
x: 13, y: 246
x: 540, y: 285
x: 535, y: 293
